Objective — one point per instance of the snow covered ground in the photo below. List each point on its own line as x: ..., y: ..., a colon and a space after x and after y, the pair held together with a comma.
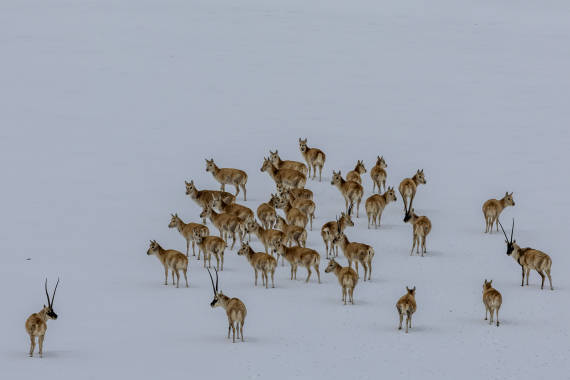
x: 108, y: 106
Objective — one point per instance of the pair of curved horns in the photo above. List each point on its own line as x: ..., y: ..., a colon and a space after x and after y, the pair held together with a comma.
x: 50, y: 302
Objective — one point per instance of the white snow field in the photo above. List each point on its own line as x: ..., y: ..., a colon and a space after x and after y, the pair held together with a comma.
x: 108, y: 106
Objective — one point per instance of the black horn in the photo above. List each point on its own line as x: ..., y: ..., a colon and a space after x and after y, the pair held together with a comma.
x: 504, y: 233
x: 53, y: 295
x: 47, y: 294
x: 212, y: 280
x: 512, y: 230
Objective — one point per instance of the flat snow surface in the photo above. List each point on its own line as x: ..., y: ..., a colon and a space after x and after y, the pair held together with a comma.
x: 108, y: 106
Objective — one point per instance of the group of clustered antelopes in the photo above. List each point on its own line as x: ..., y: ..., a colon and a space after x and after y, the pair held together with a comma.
x: 286, y: 236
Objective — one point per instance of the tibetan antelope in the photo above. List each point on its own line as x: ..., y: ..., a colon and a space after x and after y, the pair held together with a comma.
x: 289, y: 178
x: 227, y: 224
x: 421, y: 227
x: 529, y: 258
x: 307, y: 206
x: 242, y: 212
x: 314, y: 157
x: 378, y: 174
x: 350, y: 190
x: 297, y: 193
x: 408, y: 188
x: 354, y: 175
x: 375, y: 205
x: 293, y: 215
x: 187, y: 231
x: 492, y: 300
x: 205, y: 197
x: 266, y: 212
x: 300, y: 256
x: 170, y: 259
x: 329, y: 230
x: 235, y: 309
x: 406, y: 305
x: 260, y: 262
x: 492, y: 210
x: 347, y: 279
x: 292, y: 233
x: 211, y: 245
x: 36, y: 324
x: 280, y: 164
x: 268, y: 237
x: 228, y: 176
x: 357, y: 252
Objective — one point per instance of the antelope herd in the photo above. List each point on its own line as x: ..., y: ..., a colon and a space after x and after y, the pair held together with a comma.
x: 286, y: 235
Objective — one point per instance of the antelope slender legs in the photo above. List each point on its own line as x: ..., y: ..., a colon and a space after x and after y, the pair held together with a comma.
x: 41, y: 344
x: 32, y: 345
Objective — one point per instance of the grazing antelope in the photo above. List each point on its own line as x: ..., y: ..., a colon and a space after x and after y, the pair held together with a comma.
x: 492, y: 300
x: 170, y: 259
x: 292, y: 233
x: 378, y: 174
x: 228, y: 176
x: 227, y: 224
x: 329, y: 230
x: 211, y: 245
x: 406, y: 305
x: 347, y: 279
x: 375, y: 205
x: 307, y: 206
x: 529, y: 258
x: 187, y: 231
x: 235, y: 309
x: 205, y: 197
x: 269, y: 238
x: 36, y: 324
x: 357, y: 252
x: 350, y: 190
x: 421, y: 228
x: 260, y: 262
x: 314, y: 157
x: 304, y: 256
x: 492, y: 210
x: 289, y: 178
x: 266, y: 212
x: 408, y: 188
x: 297, y: 193
x: 280, y: 164
x: 354, y: 175
x: 293, y: 215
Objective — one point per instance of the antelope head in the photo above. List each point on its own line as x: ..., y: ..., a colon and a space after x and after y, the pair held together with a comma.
x: 210, y: 166
x: 412, y: 291
x: 303, y: 145
x: 174, y: 220
x: 332, y: 266
x: 216, y: 301
x: 420, y: 177
x: 510, y: 242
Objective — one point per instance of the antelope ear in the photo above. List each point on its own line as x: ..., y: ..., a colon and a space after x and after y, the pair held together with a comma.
x: 414, y: 289
x: 490, y: 282
x: 186, y: 182
x: 408, y: 289
x: 506, y: 193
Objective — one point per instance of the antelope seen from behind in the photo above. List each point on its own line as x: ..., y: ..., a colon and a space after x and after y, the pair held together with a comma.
x: 266, y: 212
x: 211, y: 246
x: 406, y: 305
x: 36, y: 324
x: 227, y: 224
x: 280, y: 164
x: 378, y: 174
x: 288, y: 178
x: 314, y: 157
x: 268, y: 237
x: 408, y: 188
x: 293, y: 215
x: 347, y: 278
x: 307, y: 206
x: 300, y: 256
x: 421, y: 227
x: 260, y: 262
x: 234, y: 307
x: 170, y: 259
x: 375, y: 205
x: 228, y: 176
x: 351, y: 191
x: 187, y: 231
x: 292, y: 233
x: 354, y: 175
x: 492, y: 210
x: 329, y: 230
x: 356, y: 252
x: 492, y: 300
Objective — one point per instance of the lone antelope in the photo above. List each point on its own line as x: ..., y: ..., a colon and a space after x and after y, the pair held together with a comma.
x: 421, y: 228
x: 211, y: 245
x: 408, y: 188
x: 297, y: 193
x: 187, y: 231
x: 375, y: 205
x: 529, y: 258
x: 266, y: 212
x: 235, y: 309
x: 406, y: 305
x: 329, y: 230
x: 314, y: 157
x: 492, y: 210
x: 260, y: 262
x: 357, y: 252
x: 378, y: 174
x: 292, y: 233
x: 307, y: 206
x: 354, y: 175
x: 227, y: 224
x: 300, y: 256
x: 36, y: 324
x: 170, y: 259
x: 268, y: 237
x: 492, y: 300
x: 347, y: 278
x: 228, y: 176
x: 350, y: 190
x: 293, y: 215
x: 205, y: 197
x: 280, y: 164
x: 289, y: 178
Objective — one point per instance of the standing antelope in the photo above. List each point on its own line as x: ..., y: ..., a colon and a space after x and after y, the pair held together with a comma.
x: 406, y: 305
x: 492, y: 210
x: 314, y: 157
x: 235, y: 309
x: 170, y: 259
x: 242, y: 212
x: 307, y: 206
x: 528, y: 258
x: 187, y: 231
x: 228, y: 176
x: 211, y: 245
x: 357, y: 252
x: 205, y: 197
x: 36, y: 324
x: 347, y: 279
x: 289, y: 178
x: 227, y: 224
x: 421, y: 228
x: 293, y: 215
x: 354, y: 175
x: 408, y: 188
x: 378, y: 174
x: 329, y: 230
x: 297, y: 193
x: 260, y: 262
x: 280, y: 164
x: 304, y: 256
x: 375, y: 205
x: 492, y: 300
x: 350, y: 190
x: 292, y: 233
x: 268, y: 237
x: 266, y: 212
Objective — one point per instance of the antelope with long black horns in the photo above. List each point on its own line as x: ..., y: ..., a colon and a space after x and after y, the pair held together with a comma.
x: 36, y: 324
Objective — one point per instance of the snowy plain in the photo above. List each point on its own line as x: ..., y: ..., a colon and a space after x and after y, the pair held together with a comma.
x: 108, y: 106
